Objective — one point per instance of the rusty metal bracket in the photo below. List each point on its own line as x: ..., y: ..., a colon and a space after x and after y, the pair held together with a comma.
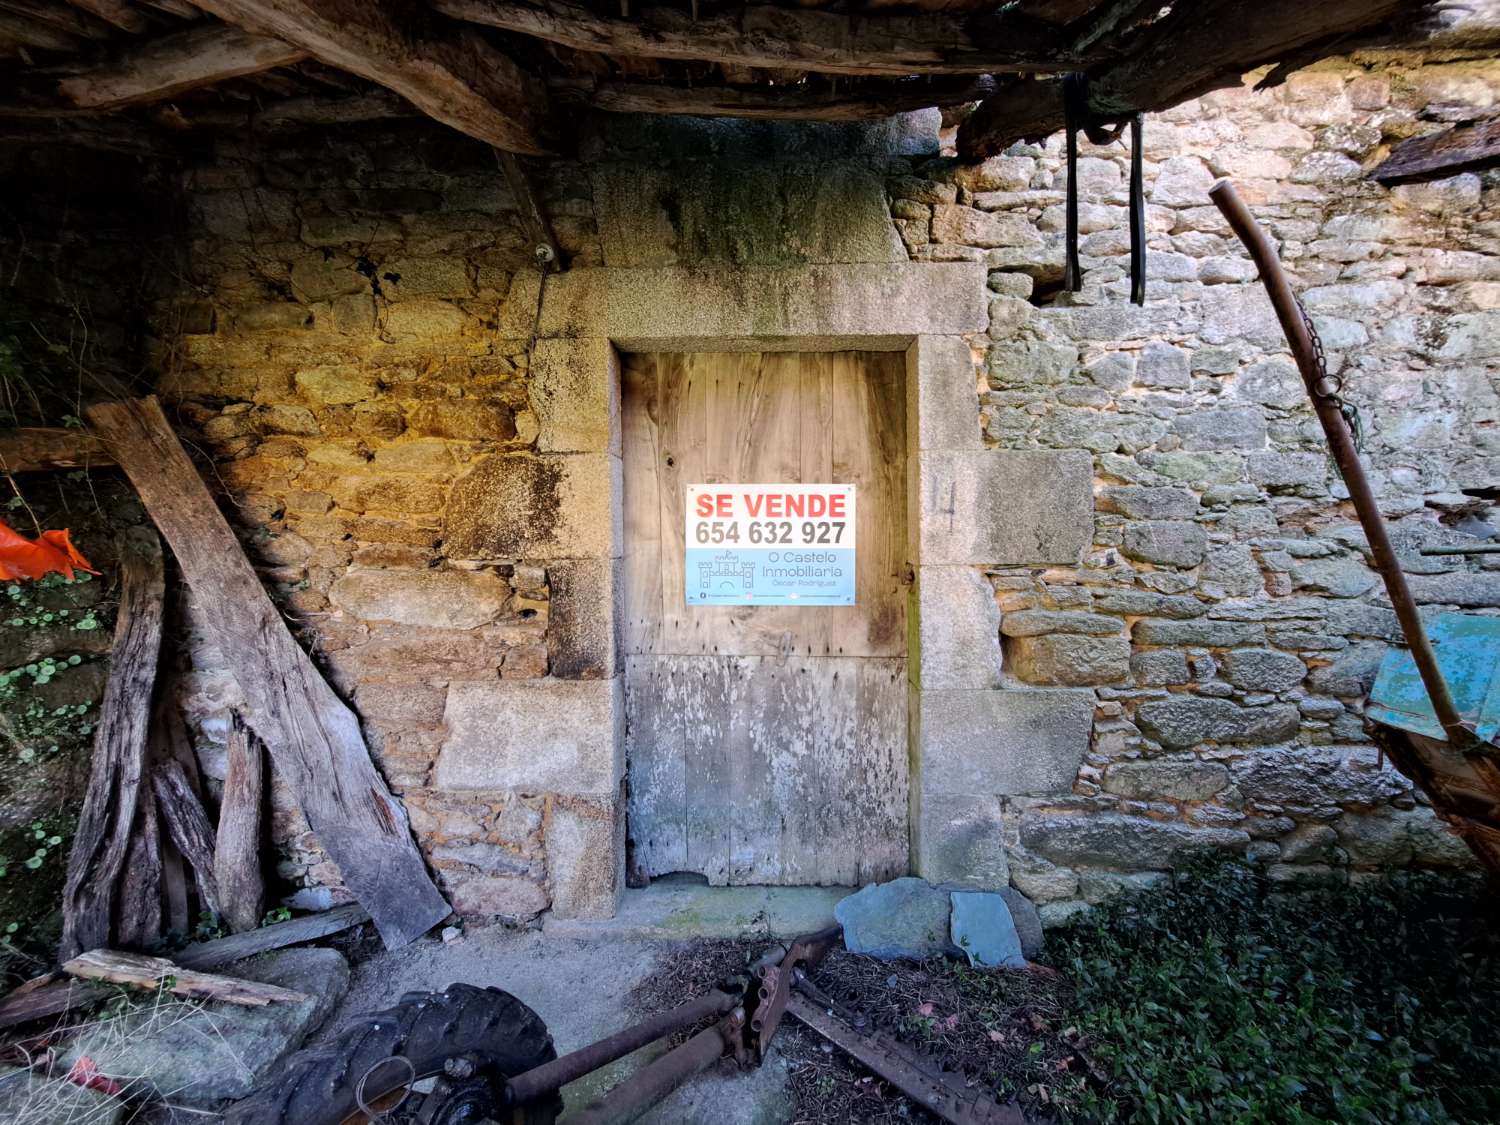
x: 776, y: 985
x: 944, y: 1093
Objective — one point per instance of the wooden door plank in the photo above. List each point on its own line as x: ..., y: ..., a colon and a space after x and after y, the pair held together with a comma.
x: 641, y: 443
x: 656, y: 702
x: 683, y: 392
x: 312, y: 735
x: 709, y: 690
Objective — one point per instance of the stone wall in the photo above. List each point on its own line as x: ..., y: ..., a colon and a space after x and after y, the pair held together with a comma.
x: 358, y: 361
x: 1226, y: 615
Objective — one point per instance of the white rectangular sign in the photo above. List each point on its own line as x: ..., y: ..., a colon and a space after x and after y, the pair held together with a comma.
x: 770, y: 544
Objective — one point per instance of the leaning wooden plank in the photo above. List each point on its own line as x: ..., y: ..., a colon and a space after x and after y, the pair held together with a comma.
x: 91, y: 890
x: 1463, y: 148
x: 310, y: 927
x: 452, y: 74
x: 41, y: 998
x: 313, y: 737
x: 237, y: 844
x: 173, y: 64
x: 31, y: 448
x: 141, y: 971
x: 183, y: 814
x: 140, y: 892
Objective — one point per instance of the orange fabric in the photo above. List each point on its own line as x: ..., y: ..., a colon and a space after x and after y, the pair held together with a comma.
x: 52, y: 552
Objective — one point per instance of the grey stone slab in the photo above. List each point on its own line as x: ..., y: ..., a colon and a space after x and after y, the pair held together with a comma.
x: 980, y: 925
x: 1113, y: 840
x: 583, y: 618
x: 906, y: 918
x: 575, y: 395
x: 585, y: 845
x: 768, y: 214
x: 444, y: 599
x: 845, y: 305
x: 202, y: 1055
x: 1002, y: 742
x: 30, y: 1099
x: 942, y: 394
x: 959, y: 840
x: 520, y: 506
x: 537, y: 736
x: 958, y: 629
x: 672, y: 910
x: 1184, y: 720
x: 1004, y: 507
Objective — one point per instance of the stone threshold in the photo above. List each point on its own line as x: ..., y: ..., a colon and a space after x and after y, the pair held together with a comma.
x: 669, y: 910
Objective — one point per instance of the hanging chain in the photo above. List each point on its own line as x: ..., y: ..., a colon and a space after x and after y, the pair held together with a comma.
x: 1331, y: 387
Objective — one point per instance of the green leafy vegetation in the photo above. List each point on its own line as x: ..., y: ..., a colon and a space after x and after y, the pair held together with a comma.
x: 1221, y: 999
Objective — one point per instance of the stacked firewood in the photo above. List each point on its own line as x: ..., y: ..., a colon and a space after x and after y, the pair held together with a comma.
x: 145, y: 843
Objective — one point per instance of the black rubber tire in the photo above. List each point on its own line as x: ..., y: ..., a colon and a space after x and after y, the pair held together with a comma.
x: 317, y: 1086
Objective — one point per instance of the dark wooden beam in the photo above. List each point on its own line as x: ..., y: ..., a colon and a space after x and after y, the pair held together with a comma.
x: 777, y: 103
x: 765, y: 36
x: 451, y: 74
x: 1198, y: 48
x: 200, y: 56
x: 1463, y: 148
x: 117, y: 12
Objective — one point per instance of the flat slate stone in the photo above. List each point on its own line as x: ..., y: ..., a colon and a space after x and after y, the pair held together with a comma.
x: 905, y: 918
x: 203, y: 1055
x: 981, y: 926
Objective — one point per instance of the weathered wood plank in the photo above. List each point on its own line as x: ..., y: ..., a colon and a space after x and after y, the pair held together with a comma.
x: 91, y: 890
x: 117, y: 12
x: 1463, y: 148
x: 312, y: 735
x: 1184, y: 55
x: 763, y: 35
x: 140, y: 894
x: 776, y: 104
x: 40, y: 999
x: 188, y: 825
x: 175, y: 63
x: 33, y: 448
x: 455, y: 77
x: 237, y: 843
x: 141, y: 971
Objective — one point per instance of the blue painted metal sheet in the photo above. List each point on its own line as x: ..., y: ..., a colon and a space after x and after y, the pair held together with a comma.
x: 1468, y: 651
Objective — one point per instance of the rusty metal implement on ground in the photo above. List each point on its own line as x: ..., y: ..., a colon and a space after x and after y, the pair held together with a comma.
x: 1435, y: 707
x: 478, y: 1056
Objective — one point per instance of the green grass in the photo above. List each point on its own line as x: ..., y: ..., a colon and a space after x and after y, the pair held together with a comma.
x: 1217, y: 999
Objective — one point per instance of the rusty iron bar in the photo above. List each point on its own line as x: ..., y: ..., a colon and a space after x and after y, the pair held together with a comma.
x: 649, y: 1085
x: 1346, y: 457
x: 943, y: 1093
x: 543, y: 1080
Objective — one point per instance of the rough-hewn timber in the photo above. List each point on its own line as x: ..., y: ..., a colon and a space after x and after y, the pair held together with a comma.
x: 772, y: 103
x: 1463, y: 148
x: 141, y: 971
x: 197, y: 57
x: 237, y: 845
x: 767, y: 36
x: 1185, y: 55
x: 32, y: 448
x: 456, y: 78
x: 91, y: 891
x: 312, y: 735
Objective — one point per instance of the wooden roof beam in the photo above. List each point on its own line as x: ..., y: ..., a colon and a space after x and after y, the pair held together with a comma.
x: 803, y: 38
x: 186, y: 60
x: 1469, y: 147
x: 450, y: 74
x: 117, y: 12
x: 772, y: 103
x: 1186, y: 55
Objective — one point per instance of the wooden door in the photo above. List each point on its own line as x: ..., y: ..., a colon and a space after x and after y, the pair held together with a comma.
x: 766, y: 744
